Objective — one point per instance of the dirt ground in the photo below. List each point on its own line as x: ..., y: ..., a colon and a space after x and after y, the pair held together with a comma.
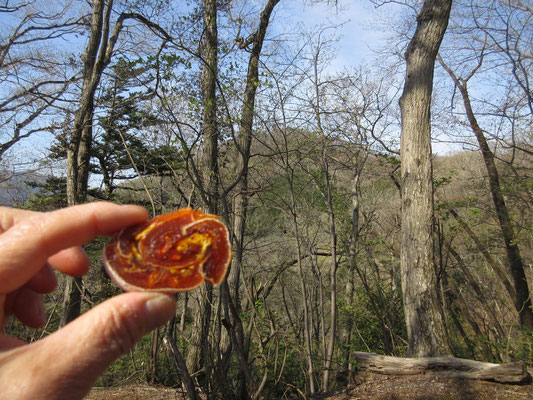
x: 135, y: 393
x: 420, y: 387
x: 426, y: 387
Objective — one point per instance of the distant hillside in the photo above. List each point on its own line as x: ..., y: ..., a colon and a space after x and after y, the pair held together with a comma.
x: 14, y: 188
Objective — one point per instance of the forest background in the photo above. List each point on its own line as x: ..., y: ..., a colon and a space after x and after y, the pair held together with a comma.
x: 236, y: 108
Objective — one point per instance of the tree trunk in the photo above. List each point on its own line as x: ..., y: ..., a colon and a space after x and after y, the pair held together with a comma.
x: 305, y: 309
x: 329, y: 342
x: 241, y: 199
x: 96, y: 57
x: 72, y: 296
x: 198, y: 356
x: 333, y: 289
x: 93, y: 61
x: 425, y: 328
x: 179, y: 363
x: 445, y: 366
x: 210, y: 126
x: 352, y: 248
x: 79, y: 148
x: 303, y: 286
x: 244, y: 144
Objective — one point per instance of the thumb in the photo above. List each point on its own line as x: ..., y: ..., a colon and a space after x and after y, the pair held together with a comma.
x: 75, y: 356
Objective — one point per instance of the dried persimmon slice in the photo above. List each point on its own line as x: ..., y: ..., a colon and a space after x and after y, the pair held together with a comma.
x: 173, y: 252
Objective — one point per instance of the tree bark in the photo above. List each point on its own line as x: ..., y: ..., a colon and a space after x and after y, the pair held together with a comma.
x: 425, y: 328
x: 72, y: 296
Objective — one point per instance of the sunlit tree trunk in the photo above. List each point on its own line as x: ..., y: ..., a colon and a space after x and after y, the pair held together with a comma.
x: 425, y: 327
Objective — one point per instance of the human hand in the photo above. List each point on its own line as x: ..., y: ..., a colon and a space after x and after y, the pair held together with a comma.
x: 65, y: 364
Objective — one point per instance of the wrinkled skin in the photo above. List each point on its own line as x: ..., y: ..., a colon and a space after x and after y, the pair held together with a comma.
x: 65, y: 364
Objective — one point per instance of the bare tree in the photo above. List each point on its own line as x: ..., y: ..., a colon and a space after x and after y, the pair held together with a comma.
x: 318, y: 97
x: 35, y: 73
x: 522, y: 300
x: 243, y: 144
x: 505, y: 28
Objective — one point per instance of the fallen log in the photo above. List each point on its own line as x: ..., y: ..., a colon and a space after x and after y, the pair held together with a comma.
x: 452, y: 367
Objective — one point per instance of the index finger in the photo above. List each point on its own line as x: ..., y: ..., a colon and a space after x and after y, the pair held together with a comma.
x: 25, y: 247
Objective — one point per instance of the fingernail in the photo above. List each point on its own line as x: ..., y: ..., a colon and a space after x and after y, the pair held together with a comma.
x: 160, y: 309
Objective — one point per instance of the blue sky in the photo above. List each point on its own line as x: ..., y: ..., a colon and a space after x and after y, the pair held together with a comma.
x: 357, y: 36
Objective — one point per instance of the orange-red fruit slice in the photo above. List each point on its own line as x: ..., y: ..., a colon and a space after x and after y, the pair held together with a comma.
x: 173, y: 252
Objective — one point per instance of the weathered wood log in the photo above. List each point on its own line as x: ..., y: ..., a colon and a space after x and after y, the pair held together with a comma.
x: 443, y: 366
